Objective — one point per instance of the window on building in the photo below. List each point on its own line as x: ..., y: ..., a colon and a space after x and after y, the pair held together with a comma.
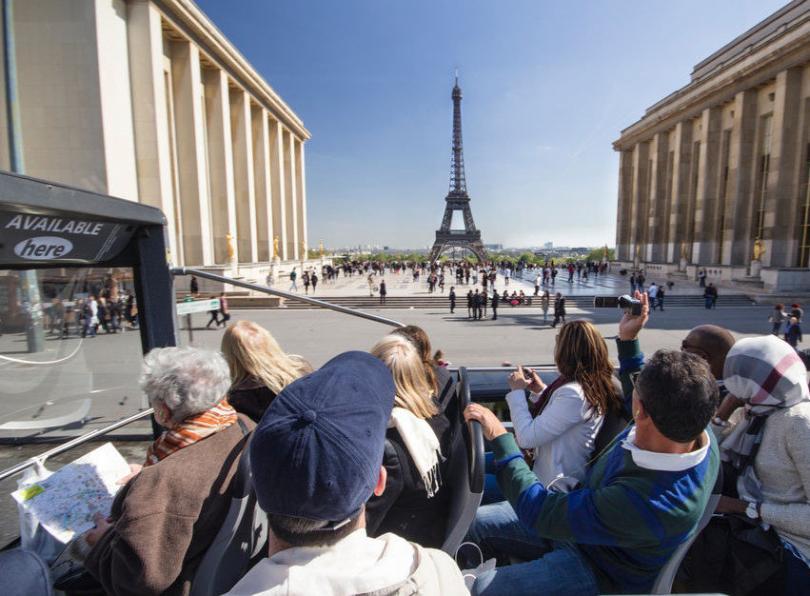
x: 804, y: 215
x: 723, y: 194
x: 764, y: 167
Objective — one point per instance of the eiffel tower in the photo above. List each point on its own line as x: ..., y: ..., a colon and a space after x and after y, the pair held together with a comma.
x: 457, y: 199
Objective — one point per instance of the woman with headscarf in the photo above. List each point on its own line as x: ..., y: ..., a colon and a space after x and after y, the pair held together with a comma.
x: 769, y: 447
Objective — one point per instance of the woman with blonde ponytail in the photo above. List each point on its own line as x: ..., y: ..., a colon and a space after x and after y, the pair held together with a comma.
x: 260, y: 369
x: 415, y: 503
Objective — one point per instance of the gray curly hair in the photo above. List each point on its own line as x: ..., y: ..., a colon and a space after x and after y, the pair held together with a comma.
x: 186, y: 380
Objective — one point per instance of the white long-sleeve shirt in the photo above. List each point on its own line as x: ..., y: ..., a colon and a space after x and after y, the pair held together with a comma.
x: 562, y: 435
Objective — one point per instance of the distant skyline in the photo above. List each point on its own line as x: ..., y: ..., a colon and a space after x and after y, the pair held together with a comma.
x: 548, y: 86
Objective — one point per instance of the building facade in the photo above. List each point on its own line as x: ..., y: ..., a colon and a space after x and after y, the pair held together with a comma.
x: 146, y: 100
x: 717, y: 174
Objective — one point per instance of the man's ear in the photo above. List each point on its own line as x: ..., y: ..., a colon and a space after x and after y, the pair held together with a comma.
x: 639, y: 413
x: 381, y: 480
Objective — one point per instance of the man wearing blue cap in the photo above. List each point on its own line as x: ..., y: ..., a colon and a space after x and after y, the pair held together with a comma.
x: 316, y: 458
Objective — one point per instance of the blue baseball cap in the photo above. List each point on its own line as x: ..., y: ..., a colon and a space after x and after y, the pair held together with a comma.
x: 317, y: 451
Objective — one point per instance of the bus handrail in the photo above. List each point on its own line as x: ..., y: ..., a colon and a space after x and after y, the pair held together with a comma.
x: 286, y: 295
x: 80, y: 440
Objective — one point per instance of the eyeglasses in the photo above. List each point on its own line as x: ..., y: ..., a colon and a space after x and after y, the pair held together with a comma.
x: 634, y: 378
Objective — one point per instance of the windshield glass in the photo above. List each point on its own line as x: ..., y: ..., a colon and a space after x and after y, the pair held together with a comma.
x: 70, y: 352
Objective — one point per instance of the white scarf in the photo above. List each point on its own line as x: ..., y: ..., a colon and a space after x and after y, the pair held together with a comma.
x: 422, y: 445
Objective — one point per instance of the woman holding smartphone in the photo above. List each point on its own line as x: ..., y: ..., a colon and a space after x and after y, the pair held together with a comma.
x: 559, y: 422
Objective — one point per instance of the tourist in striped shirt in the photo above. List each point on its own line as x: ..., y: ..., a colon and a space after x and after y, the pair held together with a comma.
x: 641, y: 499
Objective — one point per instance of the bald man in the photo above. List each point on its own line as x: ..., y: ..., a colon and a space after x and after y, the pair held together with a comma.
x: 711, y: 343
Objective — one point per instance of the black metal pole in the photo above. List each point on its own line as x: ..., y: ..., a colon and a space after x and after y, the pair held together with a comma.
x: 29, y: 282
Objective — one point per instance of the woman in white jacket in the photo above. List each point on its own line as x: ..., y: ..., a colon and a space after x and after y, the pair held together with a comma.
x: 559, y: 422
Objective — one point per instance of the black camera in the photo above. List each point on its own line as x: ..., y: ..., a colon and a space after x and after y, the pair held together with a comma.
x: 630, y: 305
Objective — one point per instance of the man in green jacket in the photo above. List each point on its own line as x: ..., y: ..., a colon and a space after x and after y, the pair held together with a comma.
x: 641, y: 499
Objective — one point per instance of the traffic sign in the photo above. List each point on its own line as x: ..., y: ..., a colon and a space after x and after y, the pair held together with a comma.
x: 187, y: 308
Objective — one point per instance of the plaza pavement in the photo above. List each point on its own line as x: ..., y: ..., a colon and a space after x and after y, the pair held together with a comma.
x: 402, y: 284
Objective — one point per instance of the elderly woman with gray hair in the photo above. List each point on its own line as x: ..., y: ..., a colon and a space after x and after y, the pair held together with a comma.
x: 767, y: 447
x: 168, y: 513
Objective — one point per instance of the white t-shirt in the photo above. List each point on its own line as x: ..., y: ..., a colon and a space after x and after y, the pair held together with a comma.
x: 563, y: 435
x: 652, y: 292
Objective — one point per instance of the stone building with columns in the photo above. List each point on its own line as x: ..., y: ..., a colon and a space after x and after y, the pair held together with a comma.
x: 717, y: 174
x: 148, y: 101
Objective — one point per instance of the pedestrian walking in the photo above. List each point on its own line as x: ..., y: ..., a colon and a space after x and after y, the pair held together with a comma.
x: 545, y: 302
x: 537, y: 281
x: 293, y: 277
x: 370, y: 284
x: 476, y: 305
x: 224, y: 310
x: 194, y: 286
x: 305, y: 279
x: 652, y: 294
x: 796, y: 311
x: 632, y: 283
x: 777, y: 318
x: 710, y: 296
x: 660, y: 299
x: 702, y: 278
x: 793, y: 332
x: 314, y: 279
x: 383, y: 291
x: 483, y: 304
x: 559, y: 309
x: 470, y: 304
x: 494, y: 303
x: 452, y: 298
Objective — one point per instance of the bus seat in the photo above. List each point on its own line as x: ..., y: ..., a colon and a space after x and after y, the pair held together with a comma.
x: 663, y: 583
x: 467, y: 474
x: 242, y: 535
x: 615, y: 422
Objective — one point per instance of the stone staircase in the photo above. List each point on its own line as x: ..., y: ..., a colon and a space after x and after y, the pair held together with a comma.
x: 442, y: 303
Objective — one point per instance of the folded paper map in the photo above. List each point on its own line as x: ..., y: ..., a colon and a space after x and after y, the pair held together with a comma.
x: 65, y: 502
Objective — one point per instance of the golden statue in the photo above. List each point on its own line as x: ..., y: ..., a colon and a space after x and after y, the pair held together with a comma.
x: 759, y: 249
x: 605, y: 253
x: 275, y: 247
x: 684, y: 251
x: 320, y: 248
x: 229, y: 244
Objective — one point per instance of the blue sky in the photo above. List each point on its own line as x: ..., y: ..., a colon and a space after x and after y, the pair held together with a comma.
x: 548, y: 85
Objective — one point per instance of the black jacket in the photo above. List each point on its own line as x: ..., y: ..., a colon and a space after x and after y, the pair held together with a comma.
x: 404, y: 507
x: 251, y: 398
x: 559, y: 306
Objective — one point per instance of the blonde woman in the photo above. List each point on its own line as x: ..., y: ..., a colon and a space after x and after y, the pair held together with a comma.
x: 415, y: 504
x: 260, y: 369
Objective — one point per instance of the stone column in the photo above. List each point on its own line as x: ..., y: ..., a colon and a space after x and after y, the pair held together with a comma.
x: 289, y: 194
x: 742, y: 174
x: 190, y: 141
x: 220, y: 162
x: 243, y: 176
x: 625, y: 198
x: 781, y: 207
x: 681, y: 167
x: 261, y: 170
x: 278, y: 185
x: 640, y: 196
x: 657, y: 214
x: 302, y: 196
x: 706, y: 200
x: 149, y: 116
